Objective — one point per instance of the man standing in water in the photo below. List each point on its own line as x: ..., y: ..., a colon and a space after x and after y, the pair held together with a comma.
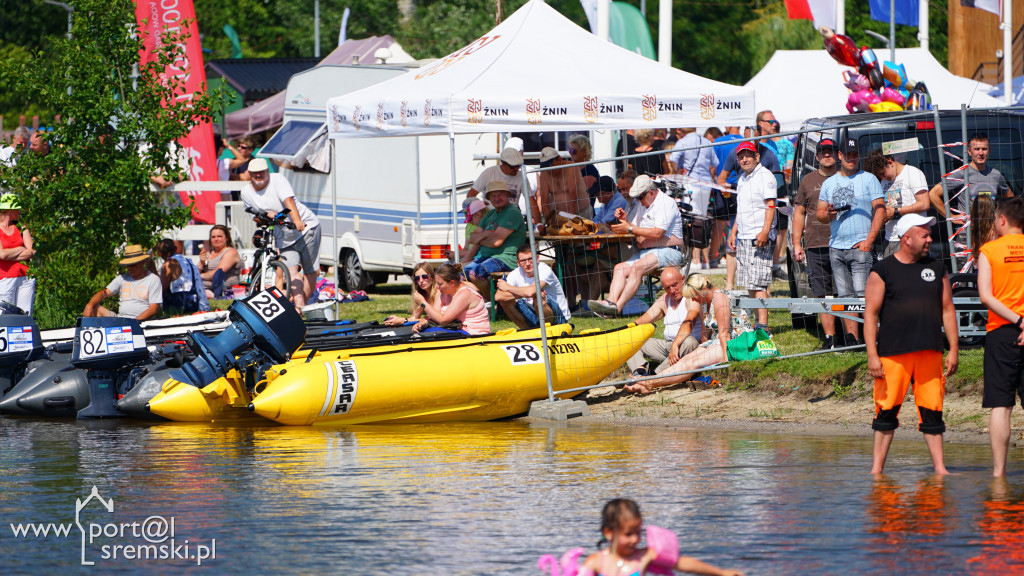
x: 1000, y: 271
x: 908, y: 293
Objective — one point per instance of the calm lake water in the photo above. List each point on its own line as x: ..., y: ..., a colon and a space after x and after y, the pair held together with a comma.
x: 489, y: 499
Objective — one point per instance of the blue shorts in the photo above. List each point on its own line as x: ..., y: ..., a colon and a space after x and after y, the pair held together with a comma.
x: 667, y: 256
x: 850, y: 268
x: 484, y: 268
x: 530, y: 314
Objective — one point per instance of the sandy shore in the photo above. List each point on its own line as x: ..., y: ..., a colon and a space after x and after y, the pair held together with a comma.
x: 848, y: 412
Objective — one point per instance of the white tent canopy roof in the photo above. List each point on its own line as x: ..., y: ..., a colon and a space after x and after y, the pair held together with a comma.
x: 800, y: 84
x: 538, y: 71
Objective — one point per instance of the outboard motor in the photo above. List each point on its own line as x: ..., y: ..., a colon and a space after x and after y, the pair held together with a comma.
x: 146, y: 382
x: 108, y: 349
x: 265, y: 330
x: 50, y: 386
x: 19, y: 344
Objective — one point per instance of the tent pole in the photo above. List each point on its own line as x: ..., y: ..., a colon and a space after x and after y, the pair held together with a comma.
x: 922, y: 23
x: 664, y: 32
x: 455, y: 200
x: 538, y: 300
x: 1007, y: 27
x: 334, y: 227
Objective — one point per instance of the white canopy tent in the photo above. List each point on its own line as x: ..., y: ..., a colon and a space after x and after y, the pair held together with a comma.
x: 538, y: 71
x: 800, y: 84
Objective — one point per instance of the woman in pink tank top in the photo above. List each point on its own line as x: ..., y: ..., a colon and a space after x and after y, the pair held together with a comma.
x: 458, y: 300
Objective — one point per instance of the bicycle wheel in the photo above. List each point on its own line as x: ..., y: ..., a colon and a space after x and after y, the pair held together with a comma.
x: 285, y: 275
x: 254, y: 282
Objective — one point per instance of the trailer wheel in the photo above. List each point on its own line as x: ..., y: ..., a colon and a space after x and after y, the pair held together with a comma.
x: 353, y: 277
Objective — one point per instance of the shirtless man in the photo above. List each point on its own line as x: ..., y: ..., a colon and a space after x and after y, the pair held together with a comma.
x: 560, y: 190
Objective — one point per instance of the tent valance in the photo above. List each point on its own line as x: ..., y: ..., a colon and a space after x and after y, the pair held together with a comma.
x: 538, y: 71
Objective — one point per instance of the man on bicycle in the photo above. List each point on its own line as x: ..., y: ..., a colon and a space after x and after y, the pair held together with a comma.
x: 269, y: 194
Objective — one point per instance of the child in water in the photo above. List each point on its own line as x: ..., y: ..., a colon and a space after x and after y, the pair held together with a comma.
x: 620, y: 526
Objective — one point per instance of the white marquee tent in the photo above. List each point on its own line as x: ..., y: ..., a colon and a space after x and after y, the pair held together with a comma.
x: 800, y: 84
x: 538, y: 71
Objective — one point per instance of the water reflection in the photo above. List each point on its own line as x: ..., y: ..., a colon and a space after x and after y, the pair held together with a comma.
x: 1002, y: 531
x: 910, y: 524
x: 490, y: 498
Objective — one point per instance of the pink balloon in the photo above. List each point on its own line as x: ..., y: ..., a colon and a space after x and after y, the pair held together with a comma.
x: 861, y: 100
x: 890, y: 94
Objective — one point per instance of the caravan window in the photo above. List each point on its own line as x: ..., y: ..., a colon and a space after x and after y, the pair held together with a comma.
x: 290, y: 139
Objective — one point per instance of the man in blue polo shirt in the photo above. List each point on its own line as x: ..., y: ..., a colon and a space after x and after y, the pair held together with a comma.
x: 853, y: 205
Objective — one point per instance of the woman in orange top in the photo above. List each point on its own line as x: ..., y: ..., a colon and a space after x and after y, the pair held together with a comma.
x: 16, y: 287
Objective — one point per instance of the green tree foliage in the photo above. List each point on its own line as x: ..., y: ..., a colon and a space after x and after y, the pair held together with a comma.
x: 91, y: 193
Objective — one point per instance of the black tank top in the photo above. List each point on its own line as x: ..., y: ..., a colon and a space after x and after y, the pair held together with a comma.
x: 911, y: 315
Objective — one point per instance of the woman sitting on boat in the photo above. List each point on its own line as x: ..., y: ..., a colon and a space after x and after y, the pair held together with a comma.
x: 424, y: 285
x: 717, y: 314
x: 459, y: 301
x: 219, y: 263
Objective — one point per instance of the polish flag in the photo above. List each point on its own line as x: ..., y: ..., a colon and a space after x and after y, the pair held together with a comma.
x: 822, y: 12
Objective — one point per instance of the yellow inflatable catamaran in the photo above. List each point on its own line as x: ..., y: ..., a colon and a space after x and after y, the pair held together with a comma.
x: 471, y: 379
x: 462, y: 381
x: 228, y: 399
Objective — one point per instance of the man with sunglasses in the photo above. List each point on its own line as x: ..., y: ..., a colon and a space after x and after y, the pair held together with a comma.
x: 814, y: 246
x: 239, y: 165
x: 852, y: 204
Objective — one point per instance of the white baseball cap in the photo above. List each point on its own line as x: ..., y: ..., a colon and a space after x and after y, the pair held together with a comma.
x: 908, y: 221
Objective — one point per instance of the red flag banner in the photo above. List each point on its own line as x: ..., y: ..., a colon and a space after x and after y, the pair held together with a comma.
x: 822, y: 12
x: 154, y: 16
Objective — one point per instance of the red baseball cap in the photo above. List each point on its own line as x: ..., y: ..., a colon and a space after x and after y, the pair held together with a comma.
x: 827, y: 143
x: 750, y: 146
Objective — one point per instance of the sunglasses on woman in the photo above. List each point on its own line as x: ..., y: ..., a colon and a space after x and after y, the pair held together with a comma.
x: 419, y: 277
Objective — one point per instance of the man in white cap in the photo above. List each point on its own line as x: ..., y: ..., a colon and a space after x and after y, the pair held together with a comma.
x: 269, y: 194
x: 659, y: 238
x: 908, y: 304
x: 507, y: 171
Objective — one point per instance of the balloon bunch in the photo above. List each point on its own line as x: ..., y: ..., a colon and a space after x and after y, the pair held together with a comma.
x: 876, y: 86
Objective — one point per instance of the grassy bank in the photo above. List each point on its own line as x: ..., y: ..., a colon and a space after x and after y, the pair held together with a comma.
x: 835, y: 374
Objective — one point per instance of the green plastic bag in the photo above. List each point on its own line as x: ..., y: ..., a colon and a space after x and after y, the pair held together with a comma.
x: 751, y: 345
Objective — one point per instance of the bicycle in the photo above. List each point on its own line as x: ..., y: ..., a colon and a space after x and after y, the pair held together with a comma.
x: 267, y: 255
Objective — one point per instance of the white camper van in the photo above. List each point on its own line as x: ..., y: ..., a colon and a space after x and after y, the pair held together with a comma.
x: 384, y: 203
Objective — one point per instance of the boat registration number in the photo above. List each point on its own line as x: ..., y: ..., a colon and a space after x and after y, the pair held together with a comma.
x: 524, y: 354
x: 108, y: 340
x: 266, y: 306
x: 15, y: 339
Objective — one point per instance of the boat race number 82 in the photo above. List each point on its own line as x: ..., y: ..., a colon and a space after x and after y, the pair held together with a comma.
x: 266, y: 306
x: 106, y: 340
x: 523, y: 354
